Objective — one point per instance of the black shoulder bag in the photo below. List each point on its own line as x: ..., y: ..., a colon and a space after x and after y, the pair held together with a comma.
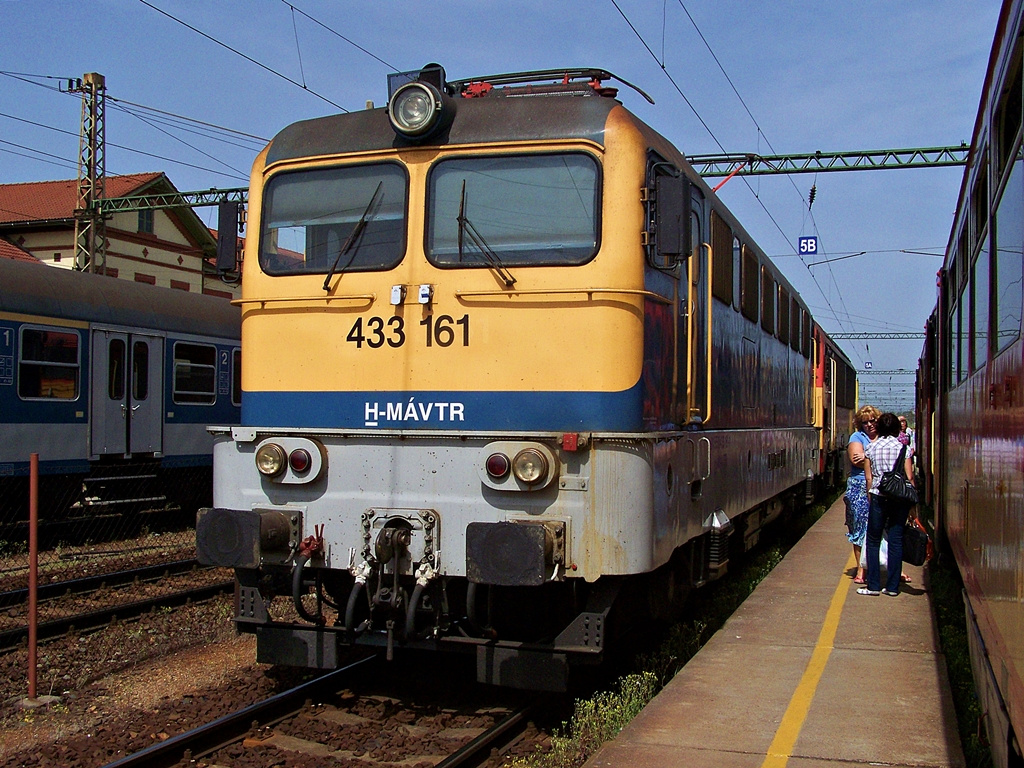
x: 894, y: 484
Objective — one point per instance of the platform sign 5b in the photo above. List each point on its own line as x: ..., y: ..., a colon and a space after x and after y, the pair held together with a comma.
x: 808, y: 245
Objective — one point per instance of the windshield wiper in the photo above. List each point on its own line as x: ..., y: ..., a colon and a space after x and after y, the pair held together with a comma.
x: 466, y: 228
x: 350, y: 242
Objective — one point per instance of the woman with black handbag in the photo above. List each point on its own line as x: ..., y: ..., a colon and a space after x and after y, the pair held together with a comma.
x: 886, y: 514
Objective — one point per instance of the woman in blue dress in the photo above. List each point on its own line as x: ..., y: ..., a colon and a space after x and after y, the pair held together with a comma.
x: 856, y: 496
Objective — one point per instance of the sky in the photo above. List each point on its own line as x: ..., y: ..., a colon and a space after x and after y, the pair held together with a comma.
x: 787, y: 76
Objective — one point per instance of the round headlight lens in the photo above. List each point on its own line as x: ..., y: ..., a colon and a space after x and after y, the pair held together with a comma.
x: 270, y: 459
x: 530, y: 466
x: 414, y: 109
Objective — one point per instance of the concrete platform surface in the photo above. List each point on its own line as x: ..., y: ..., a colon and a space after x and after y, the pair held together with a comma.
x: 806, y: 673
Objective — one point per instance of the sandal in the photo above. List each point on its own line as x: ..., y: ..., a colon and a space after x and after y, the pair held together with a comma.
x: 904, y: 578
x: 860, y: 580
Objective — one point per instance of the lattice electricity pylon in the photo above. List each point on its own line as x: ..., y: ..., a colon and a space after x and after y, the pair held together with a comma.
x: 90, y: 226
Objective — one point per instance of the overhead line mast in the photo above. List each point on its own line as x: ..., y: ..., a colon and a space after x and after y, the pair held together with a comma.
x: 90, y: 227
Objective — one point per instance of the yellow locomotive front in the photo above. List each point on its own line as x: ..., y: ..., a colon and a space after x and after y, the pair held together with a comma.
x: 447, y: 413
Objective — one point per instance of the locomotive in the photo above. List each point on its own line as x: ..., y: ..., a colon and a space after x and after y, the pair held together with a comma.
x: 513, y: 377
x: 970, y: 409
x: 112, y: 383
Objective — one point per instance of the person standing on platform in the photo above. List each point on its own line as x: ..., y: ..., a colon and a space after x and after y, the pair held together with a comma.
x: 856, y: 496
x: 884, y: 516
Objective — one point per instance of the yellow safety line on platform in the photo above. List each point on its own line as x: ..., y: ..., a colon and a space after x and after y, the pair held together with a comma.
x: 781, y: 748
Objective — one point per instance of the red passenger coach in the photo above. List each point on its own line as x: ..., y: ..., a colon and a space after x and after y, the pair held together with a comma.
x: 970, y: 402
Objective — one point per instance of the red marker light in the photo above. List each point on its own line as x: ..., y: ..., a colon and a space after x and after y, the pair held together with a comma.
x: 498, y: 465
x: 299, y: 460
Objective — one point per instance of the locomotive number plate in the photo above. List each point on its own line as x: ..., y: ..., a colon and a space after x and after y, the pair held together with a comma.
x: 433, y: 330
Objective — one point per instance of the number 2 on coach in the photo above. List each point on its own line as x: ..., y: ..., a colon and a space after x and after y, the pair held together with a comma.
x: 440, y: 330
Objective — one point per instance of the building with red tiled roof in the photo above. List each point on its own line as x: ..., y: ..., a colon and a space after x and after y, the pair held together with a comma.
x: 11, y: 251
x: 169, y: 246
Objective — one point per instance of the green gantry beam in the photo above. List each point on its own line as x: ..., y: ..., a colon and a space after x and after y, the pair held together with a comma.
x: 817, y: 162
x: 173, y: 200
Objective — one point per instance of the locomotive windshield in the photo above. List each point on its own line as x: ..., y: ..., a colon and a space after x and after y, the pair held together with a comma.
x: 526, y: 210
x: 337, y: 220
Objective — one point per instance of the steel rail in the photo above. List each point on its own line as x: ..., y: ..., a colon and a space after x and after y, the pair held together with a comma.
x: 12, y: 637
x: 89, y: 583
x: 506, y: 731
x: 229, y: 728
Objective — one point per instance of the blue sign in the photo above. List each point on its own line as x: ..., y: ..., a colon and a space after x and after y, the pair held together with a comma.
x: 808, y: 245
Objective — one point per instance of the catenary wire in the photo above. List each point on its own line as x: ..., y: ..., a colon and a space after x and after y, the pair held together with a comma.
x: 244, y: 56
x: 711, y: 133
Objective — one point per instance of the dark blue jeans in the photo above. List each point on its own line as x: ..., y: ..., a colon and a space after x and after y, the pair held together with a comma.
x: 885, y: 516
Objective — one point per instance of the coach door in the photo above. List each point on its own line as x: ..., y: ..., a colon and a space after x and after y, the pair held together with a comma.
x: 127, y: 388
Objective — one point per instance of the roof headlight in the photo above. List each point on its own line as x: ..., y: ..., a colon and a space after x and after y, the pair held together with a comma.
x: 415, y: 109
x: 530, y: 466
x: 270, y: 459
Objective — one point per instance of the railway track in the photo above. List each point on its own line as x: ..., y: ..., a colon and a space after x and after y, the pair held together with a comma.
x: 315, y: 721
x: 94, y: 601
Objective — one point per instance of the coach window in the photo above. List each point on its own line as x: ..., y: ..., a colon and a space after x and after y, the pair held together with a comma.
x: 1008, y: 119
x: 334, y: 220
x: 117, y: 355
x: 963, y: 331
x: 513, y: 210
x: 721, y: 242
x: 769, y: 295
x: 749, y: 301
x: 48, y: 365
x: 195, y: 373
x: 140, y: 370
x: 980, y: 289
x: 1009, y: 259
x: 979, y: 204
x: 236, y: 377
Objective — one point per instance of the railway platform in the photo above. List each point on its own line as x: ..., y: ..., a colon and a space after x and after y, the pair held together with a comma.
x: 806, y: 673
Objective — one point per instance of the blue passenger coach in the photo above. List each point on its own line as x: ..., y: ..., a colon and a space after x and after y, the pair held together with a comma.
x: 104, y: 377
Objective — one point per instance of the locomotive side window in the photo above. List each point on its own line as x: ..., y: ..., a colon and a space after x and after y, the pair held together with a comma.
x: 750, y: 299
x: 48, y: 364
x: 807, y: 339
x: 1009, y: 259
x: 783, y: 324
x: 768, y: 299
x: 195, y: 373
x: 721, y: 271
x: 334, y: 220
x: 794, y: 325
x: 737, y: 271
x: 513, y: 210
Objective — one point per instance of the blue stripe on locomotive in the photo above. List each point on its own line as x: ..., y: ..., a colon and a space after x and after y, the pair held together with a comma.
x: 462, y: 411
